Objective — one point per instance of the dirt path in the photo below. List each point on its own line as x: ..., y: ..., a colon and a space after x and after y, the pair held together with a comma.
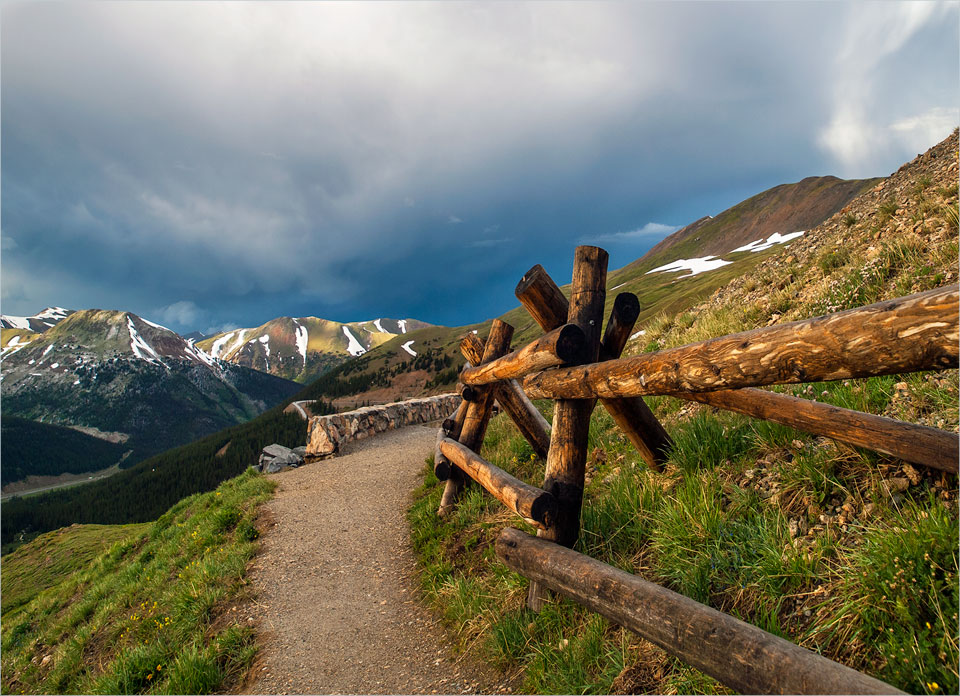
x: 339, y: 610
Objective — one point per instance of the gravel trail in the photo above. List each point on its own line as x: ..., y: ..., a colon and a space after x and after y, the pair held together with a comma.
x: 337, y: 606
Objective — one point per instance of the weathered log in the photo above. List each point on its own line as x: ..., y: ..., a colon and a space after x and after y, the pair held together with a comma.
x: 567, y: 458
x: 918, y: 332
x: 451, y: 428
x: 543, y: 298
x: 467, y: 392
x: 528, y: 419
x: 441, y: 465
x: 546, y: 304
x: 913, y: 443
x: 564, y: 345
x: 626, y: 309
x: 739, y: 655
x: 534, y: 505
x: 478, y: 413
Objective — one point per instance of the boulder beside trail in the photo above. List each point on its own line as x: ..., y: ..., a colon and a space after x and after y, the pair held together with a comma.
x: 276, y: 457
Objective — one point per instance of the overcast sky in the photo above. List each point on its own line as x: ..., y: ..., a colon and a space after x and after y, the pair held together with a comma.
x: 214, y: 165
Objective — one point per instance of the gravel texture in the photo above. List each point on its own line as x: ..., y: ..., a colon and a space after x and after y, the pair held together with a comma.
x: 337, y: 606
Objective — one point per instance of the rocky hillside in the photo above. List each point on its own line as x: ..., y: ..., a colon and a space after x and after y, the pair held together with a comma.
x: 117, y: 372
x: 302, y: 348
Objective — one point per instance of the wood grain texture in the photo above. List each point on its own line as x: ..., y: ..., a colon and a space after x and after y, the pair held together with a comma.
x: 739, y: 655
x: 918, y: 444
x: 528, y: 419
x: 918, y: 332
x: 564, y: 345
x: 567, y: 458
x: 542, y: 298
x: 534, y: 505
x: 478, y: 413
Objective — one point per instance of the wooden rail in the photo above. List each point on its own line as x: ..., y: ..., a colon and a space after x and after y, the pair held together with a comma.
x: 919, y: 332
x: 737, y: 654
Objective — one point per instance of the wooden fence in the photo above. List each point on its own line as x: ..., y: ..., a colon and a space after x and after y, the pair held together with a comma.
x: 576, y: 365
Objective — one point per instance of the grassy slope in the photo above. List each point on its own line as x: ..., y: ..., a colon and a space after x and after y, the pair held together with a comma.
x: 135, y: 608
x: 844, y: 551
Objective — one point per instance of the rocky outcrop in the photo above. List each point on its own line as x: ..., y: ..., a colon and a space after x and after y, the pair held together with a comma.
x: 276, y: 457
x: 327, y: 434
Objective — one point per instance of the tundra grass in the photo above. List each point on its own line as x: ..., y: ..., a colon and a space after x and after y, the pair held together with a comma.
x: 748, y: 518
x: 136, y: 608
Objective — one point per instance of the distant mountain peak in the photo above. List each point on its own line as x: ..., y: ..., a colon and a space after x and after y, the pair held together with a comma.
x: 301, y: 348
x: 51, y: 316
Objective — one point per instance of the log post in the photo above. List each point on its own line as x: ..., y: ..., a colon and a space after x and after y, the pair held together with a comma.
x: 467, y: 392
x: 626, y: 309
x: 564, y: 345
x: 907, y: 334
x: 528, y: 419
x: 478, y: 412
x: 567, y: 459
x: 740, y: 655
x: 451, y: 428
x: 547, y: 304
x: 910, y: 442
x: 534, y: 505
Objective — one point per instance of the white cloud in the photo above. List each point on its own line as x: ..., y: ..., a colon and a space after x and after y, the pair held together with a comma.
x: 453, y: 220
x: 652, y: 230
x: 917, y: 132
x: 7, y: 243
x: 858, y: 133
x: 183, y: 313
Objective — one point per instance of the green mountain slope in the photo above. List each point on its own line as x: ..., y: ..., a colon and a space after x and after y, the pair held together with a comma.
x: 117, y: 372
x: 28, y: 448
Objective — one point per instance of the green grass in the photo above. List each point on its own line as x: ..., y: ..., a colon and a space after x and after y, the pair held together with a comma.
x: 135, y: 608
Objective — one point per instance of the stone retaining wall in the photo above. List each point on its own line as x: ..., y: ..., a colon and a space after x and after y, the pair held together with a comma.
x: 327, y: 434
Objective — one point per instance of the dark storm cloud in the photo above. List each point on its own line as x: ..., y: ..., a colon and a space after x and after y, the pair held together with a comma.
x: 219, y: 164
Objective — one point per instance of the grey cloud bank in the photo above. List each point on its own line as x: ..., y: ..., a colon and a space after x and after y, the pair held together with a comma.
x: 221, y: 164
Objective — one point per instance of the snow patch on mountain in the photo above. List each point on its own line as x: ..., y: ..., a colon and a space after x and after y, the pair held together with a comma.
x: 402, y: 323
x: 695, y: 266
x: 265, y: 340
x: 302, y: 339
x: 156, y: 326
x: 13, y: 346
x: 194, y: 352
x: 48, y: 349
x: 376, y: 322
x: 16, y: 322
x: 764, y: 244
x: 237, y: 343
x: 406, y: 347
x: 354, y: 346
x: 140, y: 347
x: 219, y: 343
